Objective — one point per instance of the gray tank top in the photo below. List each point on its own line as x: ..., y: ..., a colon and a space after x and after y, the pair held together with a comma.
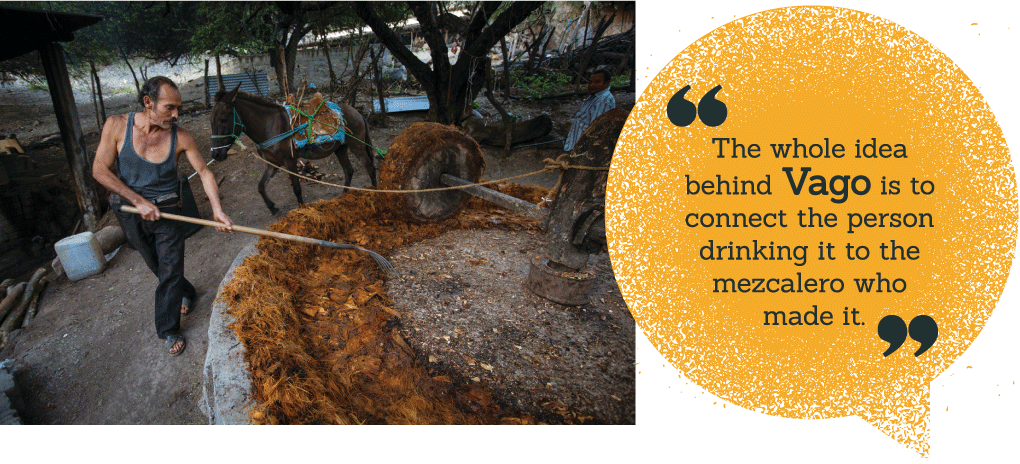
x: 148, y: 179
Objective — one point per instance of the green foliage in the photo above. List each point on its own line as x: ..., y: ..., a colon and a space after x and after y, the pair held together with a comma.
x: 233, y: 28
x: 621, y: 80
x: 157, y: 31
x: 27, y: 66
x: 343, y: 17
x: 244, y: 28
x: 539, y: 85
x: 38, y: 86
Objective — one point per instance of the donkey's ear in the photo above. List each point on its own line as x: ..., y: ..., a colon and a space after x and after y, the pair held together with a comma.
x: 231, y: 95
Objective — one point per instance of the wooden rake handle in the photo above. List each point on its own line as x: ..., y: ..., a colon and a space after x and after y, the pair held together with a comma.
x: 247, y: 230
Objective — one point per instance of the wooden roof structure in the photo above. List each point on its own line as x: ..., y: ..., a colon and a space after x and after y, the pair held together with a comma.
x: 26, y: 30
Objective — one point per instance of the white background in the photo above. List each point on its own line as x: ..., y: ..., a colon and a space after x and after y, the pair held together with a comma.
x: 677, y: 420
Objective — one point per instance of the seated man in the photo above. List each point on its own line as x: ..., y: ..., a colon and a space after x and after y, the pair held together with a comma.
x: 598, y: 102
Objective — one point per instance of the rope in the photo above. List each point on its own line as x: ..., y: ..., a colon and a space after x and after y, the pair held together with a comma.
x: 550, y: 165
x: 381, y: 152
x: 235, y: 138
x: 281, y: 137
x: 311, y: 119
x: 561, y: 163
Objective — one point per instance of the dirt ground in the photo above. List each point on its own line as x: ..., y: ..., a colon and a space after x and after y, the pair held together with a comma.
x: 536, y: 356
x: 91, y: 355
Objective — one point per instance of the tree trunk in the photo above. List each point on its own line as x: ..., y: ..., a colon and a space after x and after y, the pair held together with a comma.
x: 99, y: 91
x: 587, y: 24
x: 450, y: 89
x: 506, y: 72
x: 281, y: 70
x: 571, y: 36
x: 600, y: 29
x: 536, y: 50
x: 290, y: 28
x: 95, y: 103
x: 509, y: 121
x: 284, y: 60
x: 329, y: 61
x: 633, y: 62
x: 138, y: 88
x: 291, y: 57
x: 205, y: 82
x: 545, y: 46
x: 219, y: 75
x: 379, y: 84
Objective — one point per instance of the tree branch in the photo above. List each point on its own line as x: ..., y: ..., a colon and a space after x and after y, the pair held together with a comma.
x: 479, y: 20
x: 501, y: 26
x: 433, y: 36
x: 518, y: 12
x: 255, y: 11
x: 419, y: 70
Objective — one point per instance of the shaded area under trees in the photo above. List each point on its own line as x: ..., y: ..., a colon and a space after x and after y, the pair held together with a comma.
x: 451, y: 88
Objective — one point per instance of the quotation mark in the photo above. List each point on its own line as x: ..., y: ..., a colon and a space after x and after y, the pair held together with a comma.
x: 682, y: 112
x: 923, y: 329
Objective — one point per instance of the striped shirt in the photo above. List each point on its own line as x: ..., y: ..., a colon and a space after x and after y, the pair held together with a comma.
x: 594, y: 106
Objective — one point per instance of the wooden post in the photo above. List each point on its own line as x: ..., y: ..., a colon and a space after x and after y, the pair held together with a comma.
x: 99, y: 90
x: 52, y: 56
x: 205, y: 82
x: 95, y: 103
x: 578, y: 191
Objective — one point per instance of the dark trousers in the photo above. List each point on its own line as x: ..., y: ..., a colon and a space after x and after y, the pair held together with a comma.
x: 161, y: 244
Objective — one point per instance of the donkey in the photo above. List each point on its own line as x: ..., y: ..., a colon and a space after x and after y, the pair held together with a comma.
x: 236, y: 113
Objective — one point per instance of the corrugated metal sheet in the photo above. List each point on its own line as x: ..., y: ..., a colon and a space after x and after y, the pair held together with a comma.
x: 254, y: 83
x: 401, y: 104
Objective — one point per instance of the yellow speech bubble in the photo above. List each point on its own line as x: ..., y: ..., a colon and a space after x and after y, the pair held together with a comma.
x: 765, y: 277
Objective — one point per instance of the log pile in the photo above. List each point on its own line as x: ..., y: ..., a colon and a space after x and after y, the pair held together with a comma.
x: 20, y: 303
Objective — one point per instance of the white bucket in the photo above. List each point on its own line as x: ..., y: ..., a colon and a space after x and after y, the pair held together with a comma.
x: 81, y: 256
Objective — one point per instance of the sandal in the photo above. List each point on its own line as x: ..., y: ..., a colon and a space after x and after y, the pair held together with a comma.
x: 171, y: 341
x: 185, y: 306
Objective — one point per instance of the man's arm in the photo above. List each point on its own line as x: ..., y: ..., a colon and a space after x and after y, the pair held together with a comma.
x: 187, y: 143
x: 102, y: 168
